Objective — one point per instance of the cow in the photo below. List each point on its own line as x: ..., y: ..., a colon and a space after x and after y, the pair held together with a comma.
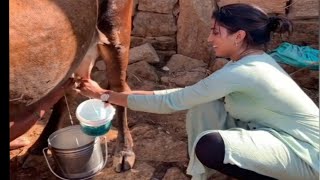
x: 52, y: 40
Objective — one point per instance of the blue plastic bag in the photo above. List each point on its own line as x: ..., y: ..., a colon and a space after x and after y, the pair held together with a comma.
x: 297, y: 56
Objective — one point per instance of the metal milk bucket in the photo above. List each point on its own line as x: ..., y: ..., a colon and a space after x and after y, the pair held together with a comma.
x: 76, y: 155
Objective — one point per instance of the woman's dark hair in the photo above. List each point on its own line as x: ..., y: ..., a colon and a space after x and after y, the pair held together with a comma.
x: 256, y: 23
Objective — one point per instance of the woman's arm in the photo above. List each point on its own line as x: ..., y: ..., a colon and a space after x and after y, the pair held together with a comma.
x: 211, y: 88
x: 168, y: 101
x: 139, y: 92
x: 92, y: 89
x: 120, y: 99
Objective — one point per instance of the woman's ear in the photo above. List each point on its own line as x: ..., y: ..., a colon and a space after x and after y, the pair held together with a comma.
x: 240, y: 35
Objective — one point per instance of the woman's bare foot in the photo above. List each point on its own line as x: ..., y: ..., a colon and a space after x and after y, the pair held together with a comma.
x: 19, y: 143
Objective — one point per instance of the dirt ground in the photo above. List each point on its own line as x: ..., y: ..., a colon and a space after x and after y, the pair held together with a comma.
x: 160, y: 145
x: 147, y: 166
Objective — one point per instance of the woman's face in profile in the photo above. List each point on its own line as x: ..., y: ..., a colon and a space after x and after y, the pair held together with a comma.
x: 222, y: 42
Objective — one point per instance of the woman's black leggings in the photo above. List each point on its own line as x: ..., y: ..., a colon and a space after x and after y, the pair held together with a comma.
x: 210, y: 152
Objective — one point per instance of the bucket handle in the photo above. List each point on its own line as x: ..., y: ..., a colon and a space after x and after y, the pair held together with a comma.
x: 52, y: 171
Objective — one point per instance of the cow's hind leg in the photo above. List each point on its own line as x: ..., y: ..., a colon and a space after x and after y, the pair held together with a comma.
x: 52, y: 125
x: 33, y: 156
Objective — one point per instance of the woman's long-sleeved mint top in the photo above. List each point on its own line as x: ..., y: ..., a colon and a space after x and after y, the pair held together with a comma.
x: 256, y: 89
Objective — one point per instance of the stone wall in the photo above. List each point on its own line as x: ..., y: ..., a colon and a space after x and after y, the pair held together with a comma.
x: 166, y: 33
x: 182, y: 27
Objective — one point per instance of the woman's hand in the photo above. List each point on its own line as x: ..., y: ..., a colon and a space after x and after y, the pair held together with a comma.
x: 90, y: 88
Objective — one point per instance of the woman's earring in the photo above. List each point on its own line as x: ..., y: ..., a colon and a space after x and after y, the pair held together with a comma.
x: 236, y: 43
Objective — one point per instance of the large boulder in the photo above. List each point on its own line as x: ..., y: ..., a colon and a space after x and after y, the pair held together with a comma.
x: 270, y: 6
x: 153, y: 24
x: 144, y: 52
x: 179, y: 62
x: 304, y: 9
x: 194, y: 27
x: 163, y: 6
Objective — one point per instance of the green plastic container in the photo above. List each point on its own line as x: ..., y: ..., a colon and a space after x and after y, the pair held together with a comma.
x: 94, y: 117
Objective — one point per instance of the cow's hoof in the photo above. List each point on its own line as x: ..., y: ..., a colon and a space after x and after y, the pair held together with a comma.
x: 123, y: 160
